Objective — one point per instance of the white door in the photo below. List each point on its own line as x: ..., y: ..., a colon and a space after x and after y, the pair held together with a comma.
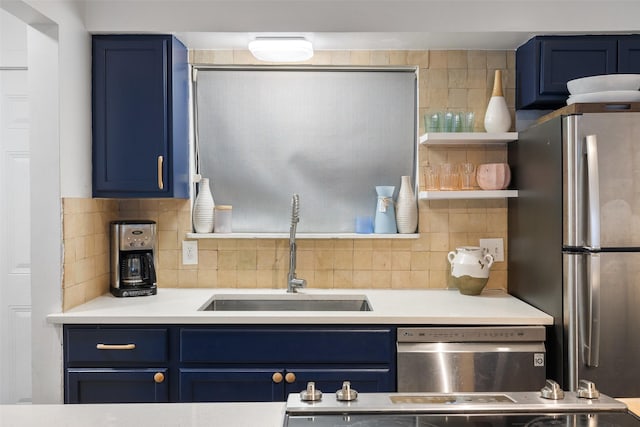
x: 15, y: 235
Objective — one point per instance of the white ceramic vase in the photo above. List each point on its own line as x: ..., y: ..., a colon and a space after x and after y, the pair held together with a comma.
x: 203, y: 213
x: 497, y: 117
x: 406, y: 207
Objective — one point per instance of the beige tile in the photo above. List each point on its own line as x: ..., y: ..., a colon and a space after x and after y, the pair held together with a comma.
x: 477, y: 59
x: 379, y: 57
x: 321, y: 57
x: 69, y: 275
x: 457, y: 99
x: 457, y: 78
x: 362, y: 279
x: 168, y: 278
x: 324, y: 244
x: 439, y: 241
x: 381, y: 279
x: 247, y: 260
x: 227, y: 279
x: 360, y: 57
x: 418, y: 57
x: 246, y: 279
x: 227, y: 260
x: 72, y: 297
x: 343, y: 279
x: 437, y: 59
x: 456, y: 59
x: 207, y: 278
x: 187, y: 278
x: 400, y: 260
x: 323, y: 260
x: 85, y: 269
x: 438, y: 279
x: 304, y: 259
x: 343, y: 259
x: 400, y: 279
x: 322, y: 279
x: 340, y: 57
x: 419, y: 261
x: 207, y: 260
x: 381, y: 260
x: 169, y: 259
x: 496, y: 60
x: 362, y: 259
x: 169, y: 240
x: 401, y: 57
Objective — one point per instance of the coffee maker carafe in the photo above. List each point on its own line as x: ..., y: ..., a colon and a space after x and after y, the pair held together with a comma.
x: 133, y: 253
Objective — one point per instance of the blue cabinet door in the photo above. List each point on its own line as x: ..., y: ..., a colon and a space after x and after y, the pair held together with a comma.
x: 230, y: 385
x: 545, y: 64
x: 629, y: 55
x: 140, y: 120
x: 94, y: 385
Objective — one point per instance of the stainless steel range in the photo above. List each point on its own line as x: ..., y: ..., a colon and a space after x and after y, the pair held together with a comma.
x: 548, y: 407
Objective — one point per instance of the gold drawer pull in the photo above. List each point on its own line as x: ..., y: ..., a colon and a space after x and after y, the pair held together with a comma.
x: 160, y: 178
x: 277, y: 377
x: 290, y: 377
x: 116, y: 346
x: 158, y: 377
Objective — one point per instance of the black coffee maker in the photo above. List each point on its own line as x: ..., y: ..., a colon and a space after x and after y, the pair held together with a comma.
x: 133, y: 253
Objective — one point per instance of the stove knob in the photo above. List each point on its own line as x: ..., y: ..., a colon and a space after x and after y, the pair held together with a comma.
x: 587, y: 390
x: 552, y: 391
x: 311, y: 394
x: 346, y: 393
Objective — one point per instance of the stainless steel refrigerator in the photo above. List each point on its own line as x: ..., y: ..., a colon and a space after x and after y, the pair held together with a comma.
x: 574, y: 241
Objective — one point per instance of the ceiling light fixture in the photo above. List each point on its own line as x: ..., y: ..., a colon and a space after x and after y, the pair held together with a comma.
x: 281, y: 49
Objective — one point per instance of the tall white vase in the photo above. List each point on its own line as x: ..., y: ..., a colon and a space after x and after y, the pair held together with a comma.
x: 406, y: 207
x: 203, y: 208
x: 497, y: 118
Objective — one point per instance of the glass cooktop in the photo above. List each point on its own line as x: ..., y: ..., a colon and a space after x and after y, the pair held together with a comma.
x: 460, y: 420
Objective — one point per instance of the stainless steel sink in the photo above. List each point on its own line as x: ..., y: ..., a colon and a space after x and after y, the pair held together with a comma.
x: 289, y: 302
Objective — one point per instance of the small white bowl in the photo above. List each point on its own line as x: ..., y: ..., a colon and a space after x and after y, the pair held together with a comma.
x: 603, y: 83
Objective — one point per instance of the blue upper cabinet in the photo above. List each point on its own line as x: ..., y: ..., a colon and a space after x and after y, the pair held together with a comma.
x: 140, y: 117
x: 545, y: 64
x: 629, y: 55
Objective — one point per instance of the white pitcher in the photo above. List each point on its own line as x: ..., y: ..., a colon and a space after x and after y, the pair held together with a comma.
x: 470, y: 267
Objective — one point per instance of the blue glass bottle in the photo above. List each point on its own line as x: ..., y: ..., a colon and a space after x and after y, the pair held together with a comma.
x: 385, y: 220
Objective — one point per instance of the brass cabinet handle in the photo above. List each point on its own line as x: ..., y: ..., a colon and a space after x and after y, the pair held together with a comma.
x: 277, y: 377
x: 290, y: 377
x: 160, y: 180
x: 116, y: 346
x: 158, y: 377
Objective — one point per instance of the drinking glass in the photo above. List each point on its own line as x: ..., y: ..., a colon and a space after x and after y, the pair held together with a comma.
x: 468, y: 121
x: 433, y: 122
x: 431, y: 178
x: 467, y: 176
x: 448, y: 177
x: 458, y: 122
x: 448, y: 122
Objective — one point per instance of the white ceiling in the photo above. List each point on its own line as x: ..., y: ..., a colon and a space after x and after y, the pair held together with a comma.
x: 364, y: 24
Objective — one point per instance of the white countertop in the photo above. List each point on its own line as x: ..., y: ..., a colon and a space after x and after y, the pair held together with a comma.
x: 145, y: 414
x: 396, y: 307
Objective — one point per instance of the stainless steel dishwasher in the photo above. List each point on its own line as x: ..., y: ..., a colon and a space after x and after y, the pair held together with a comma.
x: 466, y: 359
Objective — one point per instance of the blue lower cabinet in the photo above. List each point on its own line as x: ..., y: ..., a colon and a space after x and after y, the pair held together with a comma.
x: 274, y: 385
x: 230, y: 385
x: 90, y: 385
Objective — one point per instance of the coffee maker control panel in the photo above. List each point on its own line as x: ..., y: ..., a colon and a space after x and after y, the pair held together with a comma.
x: 136, y: 237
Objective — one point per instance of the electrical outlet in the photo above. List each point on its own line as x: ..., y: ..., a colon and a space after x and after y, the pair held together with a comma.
x: 189, y: 252
x: 495, y: 247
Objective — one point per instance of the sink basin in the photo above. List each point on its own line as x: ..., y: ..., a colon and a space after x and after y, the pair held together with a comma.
x: 289, y: 302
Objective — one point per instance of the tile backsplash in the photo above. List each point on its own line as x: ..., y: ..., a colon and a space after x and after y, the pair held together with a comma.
x: 448, y: 80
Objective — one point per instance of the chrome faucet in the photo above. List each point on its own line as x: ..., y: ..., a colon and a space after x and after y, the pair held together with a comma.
x: 293, y: 283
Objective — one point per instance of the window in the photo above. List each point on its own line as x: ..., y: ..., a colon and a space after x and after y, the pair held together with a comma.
x: 329, y: 134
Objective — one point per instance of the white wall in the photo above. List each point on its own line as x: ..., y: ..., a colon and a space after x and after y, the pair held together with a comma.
x: 59, y: 54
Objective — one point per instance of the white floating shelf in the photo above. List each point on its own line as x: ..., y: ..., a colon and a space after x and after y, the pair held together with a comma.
x: 300, y: 236
x: 467, y: 194
x: 467, y: 138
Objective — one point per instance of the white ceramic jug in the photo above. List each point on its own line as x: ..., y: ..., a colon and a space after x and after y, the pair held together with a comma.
x: 470, y: 267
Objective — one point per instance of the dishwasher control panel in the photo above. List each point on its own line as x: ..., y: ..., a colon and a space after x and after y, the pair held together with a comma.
x: 472, y: 334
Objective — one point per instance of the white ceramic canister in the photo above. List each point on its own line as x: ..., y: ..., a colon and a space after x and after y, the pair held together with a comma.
x: 470, y: 267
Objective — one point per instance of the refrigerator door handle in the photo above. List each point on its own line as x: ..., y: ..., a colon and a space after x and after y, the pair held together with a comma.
x: 592, y: 344
x: 593, y: 196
